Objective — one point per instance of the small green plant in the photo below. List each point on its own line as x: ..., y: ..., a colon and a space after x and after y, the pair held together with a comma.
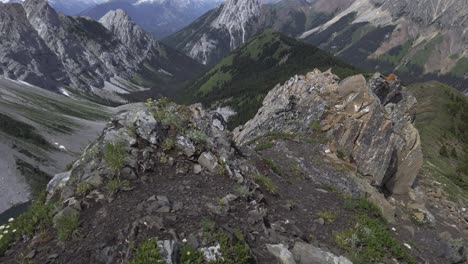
x: 164, y: 159
x: 280, y: 135
x: 315, y: 126
x: 242, y: 191
x: 363, y: 205
x: 328, y: 216
x: 147, y: 252
x: 189, y: 255
x: 66, y: 226
x: 297, y: 170
x: 266, y: 182
x: 340, y: 154
x: 197, y: 136
x: 168, y: 144
x: 264, y: 145
x: 271, y: 163
x: 83, y: 188
x: 113, y: 186
x: 114, y: 155
x: 233, y: 247
x: 330, y: 188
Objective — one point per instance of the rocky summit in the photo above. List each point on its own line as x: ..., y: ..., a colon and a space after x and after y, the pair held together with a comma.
x: 371, y: 123
x: 324, y: 173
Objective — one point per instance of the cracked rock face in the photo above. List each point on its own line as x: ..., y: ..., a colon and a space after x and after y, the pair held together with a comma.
x: 370, y: 123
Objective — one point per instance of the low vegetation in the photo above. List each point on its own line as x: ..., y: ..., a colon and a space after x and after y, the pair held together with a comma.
x: 272, y: 165
x: 36, y: 218
x: 113, y: 186
x: 233, y: 247
x: 441, y: 115
x: 189, y: 255
x: 368, y: 240
x: 114, y: 156
x: 328, y: 216
x: 266, y: 183
x: 67, y: 226
x: 147, y: 252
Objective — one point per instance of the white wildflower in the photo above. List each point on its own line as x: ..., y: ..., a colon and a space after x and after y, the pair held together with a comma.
x: 406, y: 245
x: 14, y: 231
x: 5, y: 232
x: 1, y: 236
x: 10, y: 220
x: 2, y: 227
x: 184, y: 240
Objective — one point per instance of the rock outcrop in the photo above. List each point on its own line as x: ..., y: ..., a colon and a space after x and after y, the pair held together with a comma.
x: 370, y: 124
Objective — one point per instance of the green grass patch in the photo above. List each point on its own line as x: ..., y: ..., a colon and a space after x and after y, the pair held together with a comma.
x: 147, y: 252
x: 368, y: 240
x: 66, y: 226
x: 113, y: 186
x: 266, y: 183
x: 328, y: 216
x: 114, y: 156
x: 264, y: 145
x: 272, y: 164
x: 233, y: 248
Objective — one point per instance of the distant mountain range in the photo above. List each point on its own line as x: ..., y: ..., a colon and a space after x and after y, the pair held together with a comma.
x: 159, y: 17
x: 94, y: 59
x: 68, y: 7
x: 418, y: 39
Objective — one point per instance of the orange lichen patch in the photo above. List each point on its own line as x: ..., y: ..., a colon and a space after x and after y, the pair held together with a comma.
x: 390, y: 78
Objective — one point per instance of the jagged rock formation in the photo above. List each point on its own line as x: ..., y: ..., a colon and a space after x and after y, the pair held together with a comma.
x: 371, y: 124
x: 131, y: 35
x: 97, y: 58
x: 34, y: 63
x: 219, y: 31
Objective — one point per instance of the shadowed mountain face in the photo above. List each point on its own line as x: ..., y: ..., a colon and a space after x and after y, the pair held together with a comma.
x: 418, y: 39
x: 160, y: 18
x: 95, y: 59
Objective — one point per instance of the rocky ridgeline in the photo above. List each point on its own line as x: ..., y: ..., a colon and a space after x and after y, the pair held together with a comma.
x: 370, y: 124
x: 281, y: 188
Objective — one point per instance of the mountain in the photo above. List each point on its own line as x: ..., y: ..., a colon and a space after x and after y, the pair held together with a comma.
x: 96, y: 60
x: 326, y: 172
x: 159, y: 17
x: 242, y: 79
x: 212, y: 36
x: 65, y: 6
x: 420, y: 40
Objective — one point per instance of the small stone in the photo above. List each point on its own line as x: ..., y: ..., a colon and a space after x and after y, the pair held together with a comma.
x: 197, y: 168
x: 320, y: 221
x: 208, y: 161
x: 163, y: 198
x: 31, y: 254
x: 281, y: 253
x: 164, y: 209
